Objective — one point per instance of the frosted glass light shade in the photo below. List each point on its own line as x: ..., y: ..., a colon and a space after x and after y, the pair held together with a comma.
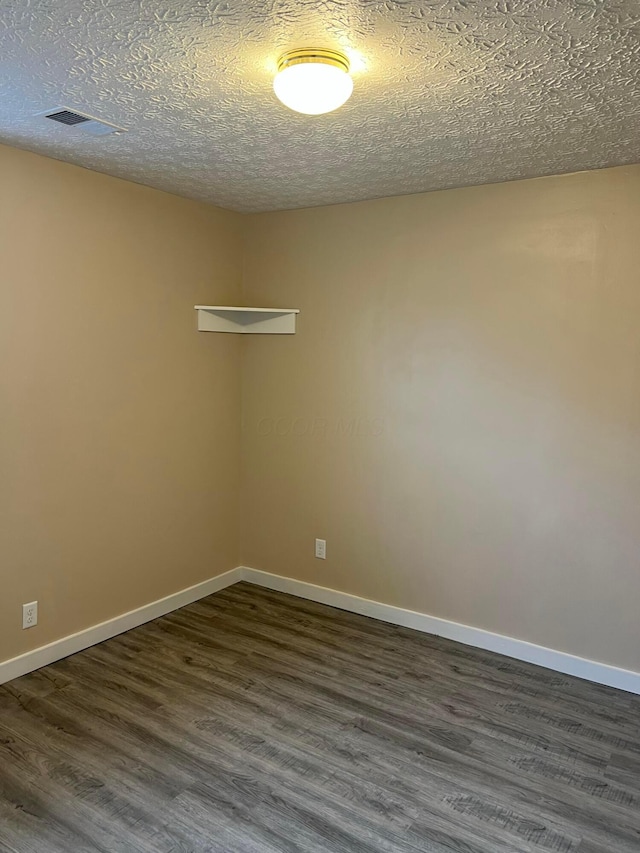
x: 313, y: 81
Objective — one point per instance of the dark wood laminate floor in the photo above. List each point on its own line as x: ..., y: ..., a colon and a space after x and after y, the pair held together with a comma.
x: 254, y: 721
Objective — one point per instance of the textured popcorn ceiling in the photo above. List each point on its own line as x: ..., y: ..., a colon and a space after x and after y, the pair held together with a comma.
x: 446, y: 93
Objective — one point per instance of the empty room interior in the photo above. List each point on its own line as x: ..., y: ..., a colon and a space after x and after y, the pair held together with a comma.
x: 320, y: 426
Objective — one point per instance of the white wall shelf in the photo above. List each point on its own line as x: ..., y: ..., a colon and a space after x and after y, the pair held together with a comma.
x: 247, y: 321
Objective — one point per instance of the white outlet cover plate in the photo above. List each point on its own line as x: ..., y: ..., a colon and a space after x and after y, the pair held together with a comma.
x: 30, y: 614
x: 321, y: 549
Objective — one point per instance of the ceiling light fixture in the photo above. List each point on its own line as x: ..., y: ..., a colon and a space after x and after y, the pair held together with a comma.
x: 313, y: 81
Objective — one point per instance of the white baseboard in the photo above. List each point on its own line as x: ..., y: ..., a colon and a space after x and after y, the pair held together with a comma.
x: 73, y: 643
x: 601, y: 673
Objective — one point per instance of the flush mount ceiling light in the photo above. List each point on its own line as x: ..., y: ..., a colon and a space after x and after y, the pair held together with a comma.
x: 313, y: 81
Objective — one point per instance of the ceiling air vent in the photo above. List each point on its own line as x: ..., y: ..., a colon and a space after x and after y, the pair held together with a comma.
x: 88, y: 124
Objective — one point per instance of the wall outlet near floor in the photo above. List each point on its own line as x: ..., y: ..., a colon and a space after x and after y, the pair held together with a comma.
x: 30, y: 614
x: 321, y: 549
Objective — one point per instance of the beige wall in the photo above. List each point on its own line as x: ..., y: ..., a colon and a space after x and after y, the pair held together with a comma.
x: 119, y: 439
x: 459, y: 415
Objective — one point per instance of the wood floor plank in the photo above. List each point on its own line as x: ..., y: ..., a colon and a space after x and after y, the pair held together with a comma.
x: 256, y: 721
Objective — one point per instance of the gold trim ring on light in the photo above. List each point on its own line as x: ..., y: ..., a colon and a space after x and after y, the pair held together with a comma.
x: 313, y: 54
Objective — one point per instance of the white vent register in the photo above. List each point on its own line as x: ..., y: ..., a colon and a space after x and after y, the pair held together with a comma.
x: 247, y: 321
x: 74, y: 120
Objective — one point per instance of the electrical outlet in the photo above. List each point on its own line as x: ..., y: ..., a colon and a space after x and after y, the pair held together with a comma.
x: 30, y: 614
x: 321, y: 549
